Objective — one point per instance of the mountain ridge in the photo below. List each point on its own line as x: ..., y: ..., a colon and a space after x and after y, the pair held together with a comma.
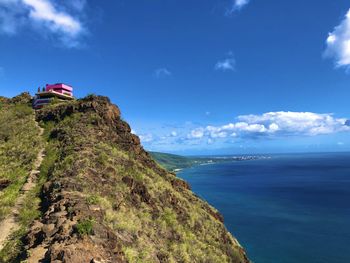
x: 104, y: 199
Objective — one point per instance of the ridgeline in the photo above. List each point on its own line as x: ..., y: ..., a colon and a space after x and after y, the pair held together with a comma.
x: 99, y: 196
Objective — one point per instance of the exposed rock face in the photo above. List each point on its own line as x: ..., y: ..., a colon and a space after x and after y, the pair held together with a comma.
x: 106, y: 200
x: 4, y: 183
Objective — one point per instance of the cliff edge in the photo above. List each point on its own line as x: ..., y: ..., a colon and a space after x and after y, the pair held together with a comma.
x: 104, y: 199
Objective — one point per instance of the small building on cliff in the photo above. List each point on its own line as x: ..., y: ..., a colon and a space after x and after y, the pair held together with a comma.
x: 59, y: 91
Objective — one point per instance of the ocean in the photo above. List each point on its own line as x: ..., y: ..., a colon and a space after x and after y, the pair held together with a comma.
x: 291, y: 208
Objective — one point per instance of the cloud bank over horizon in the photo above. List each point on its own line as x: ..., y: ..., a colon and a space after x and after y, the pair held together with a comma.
x: 275, y: 124
x: 279, y: 125
x: 45, y: 16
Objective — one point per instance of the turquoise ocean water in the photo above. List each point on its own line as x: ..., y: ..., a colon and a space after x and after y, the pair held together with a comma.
x: 287, y: 209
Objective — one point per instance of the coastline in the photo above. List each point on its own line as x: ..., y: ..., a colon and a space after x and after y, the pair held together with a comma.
x: 281, y: 196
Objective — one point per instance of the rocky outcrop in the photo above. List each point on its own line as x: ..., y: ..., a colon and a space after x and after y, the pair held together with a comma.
x: 4, y: 183
x: 106, y: 200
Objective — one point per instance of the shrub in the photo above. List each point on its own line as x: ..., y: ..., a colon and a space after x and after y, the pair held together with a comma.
x: 169, y: 217
x: 93, y: 199
x: 85, y: 227
x: 22, y: 110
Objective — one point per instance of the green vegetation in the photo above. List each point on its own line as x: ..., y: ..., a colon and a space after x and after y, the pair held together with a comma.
x: 13, y: 247
x: 19, y: 146
x: 172, y: 162
x: 102, y: 188
x: 138, y: 201
x: 85, y: 227
x: 92, y: 199
x: 20, y: 138
x: 29, y: 210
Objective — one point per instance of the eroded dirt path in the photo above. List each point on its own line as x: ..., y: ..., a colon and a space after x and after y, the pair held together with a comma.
x: 10, y: 224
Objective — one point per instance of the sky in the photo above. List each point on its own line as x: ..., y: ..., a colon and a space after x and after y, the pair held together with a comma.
x: 193, y: 77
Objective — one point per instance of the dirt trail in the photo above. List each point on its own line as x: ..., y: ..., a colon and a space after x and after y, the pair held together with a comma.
x: 10, y: 224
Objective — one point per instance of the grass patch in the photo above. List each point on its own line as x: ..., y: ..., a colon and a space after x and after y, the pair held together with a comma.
x: 13, y: 247
x: 85, y: 227
x: 19, y: 146
x: 29, y: 210
x: 93, y: 199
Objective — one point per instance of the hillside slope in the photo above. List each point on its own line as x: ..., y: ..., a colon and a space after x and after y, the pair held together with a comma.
x: 172, y: 162
x: 105, y: 200
x: 19, y: 145
x: 21, y: 149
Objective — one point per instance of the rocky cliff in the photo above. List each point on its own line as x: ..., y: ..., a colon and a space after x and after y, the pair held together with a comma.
x: 104, y: 199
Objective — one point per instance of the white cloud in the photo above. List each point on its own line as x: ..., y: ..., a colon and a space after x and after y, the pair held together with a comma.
x: 43, y: 11
x: 42, y: 14
x: 196, y: 133
x: 252, y: 128
x: 162, y: 72
x: 173, y: 134
x: 275, y: 124
x: 227, y: 64
x: 338, y: 43
x: 169, y: 136
x: 146, y: 138
x: 237, y: 6
x: 305, y: 123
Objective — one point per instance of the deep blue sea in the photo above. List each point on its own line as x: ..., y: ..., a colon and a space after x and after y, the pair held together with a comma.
x: 287, y: 209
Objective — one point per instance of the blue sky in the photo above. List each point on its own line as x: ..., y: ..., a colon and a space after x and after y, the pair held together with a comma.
x: 215, y: 76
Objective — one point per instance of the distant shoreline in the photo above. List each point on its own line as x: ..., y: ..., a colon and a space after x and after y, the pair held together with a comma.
x: 176, y: 163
